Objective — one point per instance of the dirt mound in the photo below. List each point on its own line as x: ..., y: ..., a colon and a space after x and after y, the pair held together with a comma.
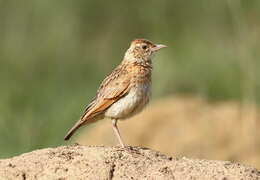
x: 82, y: 162
x: 188, y: 126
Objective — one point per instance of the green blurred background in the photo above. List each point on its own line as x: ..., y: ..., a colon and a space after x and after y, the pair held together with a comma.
x: 54, y: 54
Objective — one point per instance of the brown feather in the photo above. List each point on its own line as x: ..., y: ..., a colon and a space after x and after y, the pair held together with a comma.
x: 111, y: 89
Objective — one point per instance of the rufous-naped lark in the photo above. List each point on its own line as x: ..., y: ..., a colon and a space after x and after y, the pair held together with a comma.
x: 124, y: 92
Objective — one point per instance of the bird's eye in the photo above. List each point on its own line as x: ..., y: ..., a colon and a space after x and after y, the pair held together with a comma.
x: 144, y: 47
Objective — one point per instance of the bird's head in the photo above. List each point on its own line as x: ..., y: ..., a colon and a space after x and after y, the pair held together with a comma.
x: 142, y: 50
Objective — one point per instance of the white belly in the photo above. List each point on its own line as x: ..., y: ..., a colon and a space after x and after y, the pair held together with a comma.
x: 130, y: 104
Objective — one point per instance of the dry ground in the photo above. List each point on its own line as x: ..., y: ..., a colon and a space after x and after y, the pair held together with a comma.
x: 84, y: 162
x: 188, y: 126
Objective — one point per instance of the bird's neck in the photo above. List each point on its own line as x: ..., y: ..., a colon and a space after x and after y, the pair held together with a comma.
x: 139, y: 62
x: 146, y: 64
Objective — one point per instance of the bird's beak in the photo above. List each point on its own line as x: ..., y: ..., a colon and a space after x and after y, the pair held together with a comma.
x: 158, y: 47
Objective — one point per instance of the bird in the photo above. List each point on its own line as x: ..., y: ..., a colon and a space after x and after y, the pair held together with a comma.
x: 125, y: 91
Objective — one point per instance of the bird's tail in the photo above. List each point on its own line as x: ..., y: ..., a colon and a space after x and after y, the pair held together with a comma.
x: 80, y: 122
x: 73, y: 129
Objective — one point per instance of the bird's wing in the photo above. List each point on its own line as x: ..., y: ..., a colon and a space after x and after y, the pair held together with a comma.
x: 116, y: 85
x: 111, y: 89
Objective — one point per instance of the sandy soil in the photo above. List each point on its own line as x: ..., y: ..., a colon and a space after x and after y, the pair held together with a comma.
x: 187, y: 126
x: 83, y: 162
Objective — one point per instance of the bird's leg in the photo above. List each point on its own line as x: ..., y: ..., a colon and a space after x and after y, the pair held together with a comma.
x: 115, y: 128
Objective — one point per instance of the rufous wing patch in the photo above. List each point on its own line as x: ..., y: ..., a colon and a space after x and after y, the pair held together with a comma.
x: 109, y: 92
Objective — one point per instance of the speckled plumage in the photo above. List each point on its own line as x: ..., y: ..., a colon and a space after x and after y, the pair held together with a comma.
x: 139, y: 76
x: 126, y: 91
